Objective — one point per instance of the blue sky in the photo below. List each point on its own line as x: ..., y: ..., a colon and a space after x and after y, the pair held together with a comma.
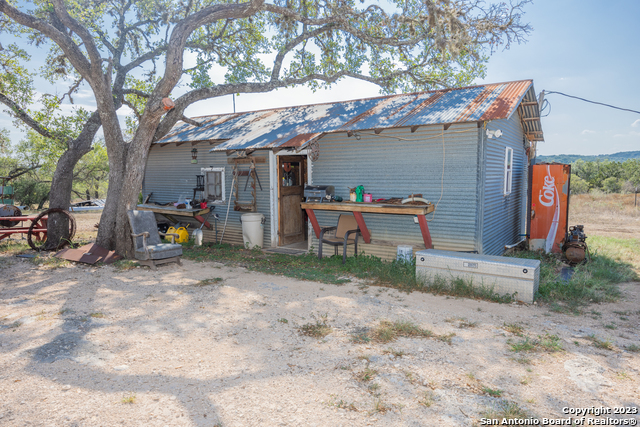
x: 583, y: 48
x: 587, y: 49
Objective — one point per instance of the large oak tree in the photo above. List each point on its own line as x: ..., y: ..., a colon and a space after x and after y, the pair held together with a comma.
x: 133, y: 52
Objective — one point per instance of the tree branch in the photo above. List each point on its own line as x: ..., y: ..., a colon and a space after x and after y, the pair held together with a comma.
x: 342, y: 20
x: 143, y: 58
x: 88, y: 133
x: 73, y: 88
x: 190, y: 121
x: 136, y: 92
x: 184, y: 29
x: 80, y: 30
x: 21, y: 171
x: 26, y: 118
x: 66, y: 43
x: 133, y: 108
x: 306, y: 35
x: 106, y: 42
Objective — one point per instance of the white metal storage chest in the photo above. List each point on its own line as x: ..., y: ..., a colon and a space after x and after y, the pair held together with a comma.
x: 505, y: 275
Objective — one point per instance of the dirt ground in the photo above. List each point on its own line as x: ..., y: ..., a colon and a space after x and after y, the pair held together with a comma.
x: 95, y: 346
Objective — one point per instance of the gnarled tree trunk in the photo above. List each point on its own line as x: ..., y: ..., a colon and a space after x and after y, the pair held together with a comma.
x: 62, y: 183
x: 60, y: 196
x: 126, y: 171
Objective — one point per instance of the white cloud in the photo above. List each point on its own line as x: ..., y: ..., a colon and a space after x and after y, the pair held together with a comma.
x: 587, y: 132
x: 619, y: 135
x: 636, y: 123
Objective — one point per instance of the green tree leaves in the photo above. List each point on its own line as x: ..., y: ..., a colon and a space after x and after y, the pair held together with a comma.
x: 90, y: 173
x: 608, y: 176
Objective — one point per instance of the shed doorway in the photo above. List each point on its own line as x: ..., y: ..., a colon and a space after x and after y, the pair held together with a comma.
x: 292, y: 222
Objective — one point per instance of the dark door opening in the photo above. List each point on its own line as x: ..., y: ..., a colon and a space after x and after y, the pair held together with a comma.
x: 292, y: 222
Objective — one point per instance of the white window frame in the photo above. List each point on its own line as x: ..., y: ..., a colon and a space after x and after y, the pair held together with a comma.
x: 204, y: 171
x: 508, y: 170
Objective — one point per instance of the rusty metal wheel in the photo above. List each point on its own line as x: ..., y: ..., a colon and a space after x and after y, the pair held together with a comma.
x: 37, y: 238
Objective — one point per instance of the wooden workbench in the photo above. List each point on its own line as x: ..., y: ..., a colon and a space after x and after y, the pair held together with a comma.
x: 171, y: 211
x: 376, y: 208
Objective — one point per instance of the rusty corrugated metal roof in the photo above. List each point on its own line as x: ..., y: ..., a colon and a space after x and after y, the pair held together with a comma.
x: 297, y: 126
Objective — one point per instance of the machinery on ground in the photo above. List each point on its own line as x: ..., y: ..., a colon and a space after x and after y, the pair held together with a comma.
x: 575, y: 247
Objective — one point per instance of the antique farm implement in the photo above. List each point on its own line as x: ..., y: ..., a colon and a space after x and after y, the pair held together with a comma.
x: 34, y: 226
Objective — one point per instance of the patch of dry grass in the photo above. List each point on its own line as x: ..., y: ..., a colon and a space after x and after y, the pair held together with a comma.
x: 396, y: 353
x: 514, y: 328
x: 427, y: 399
x: 125, y: 264
x: 207, y: 282
x: 596, y: 205
x: 601, y: 344
x: 366, y: 375
x: 12, y: 247
x: 48, y: 261
x: 508, y: 410
x: 463, y: 323
x: 319, y: 329
x: 129, y: 399
x: 85, y: 225
x: 547, y: 343
x: 613, y: 219
x: 388, y: 331
x: 342, y: 404
x: 380, y: 407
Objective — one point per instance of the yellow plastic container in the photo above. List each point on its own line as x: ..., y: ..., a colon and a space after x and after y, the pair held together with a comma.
x: 183, y: 234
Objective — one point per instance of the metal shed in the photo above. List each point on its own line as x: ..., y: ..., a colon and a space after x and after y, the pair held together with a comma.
x: 454, y: 146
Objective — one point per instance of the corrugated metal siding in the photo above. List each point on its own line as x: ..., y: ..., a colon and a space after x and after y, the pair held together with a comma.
x: 388, y: 165
x: 503, y: 215
x: 170, y: 173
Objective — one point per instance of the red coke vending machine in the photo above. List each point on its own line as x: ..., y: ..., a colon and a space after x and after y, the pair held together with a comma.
x: 548, y: 206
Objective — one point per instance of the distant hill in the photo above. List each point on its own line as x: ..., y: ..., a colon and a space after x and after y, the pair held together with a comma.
x: 570, y: 158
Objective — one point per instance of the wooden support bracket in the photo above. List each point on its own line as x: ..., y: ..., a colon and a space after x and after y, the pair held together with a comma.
x: 246, y: 160
x: 424, y: 228
x: 366, y: 236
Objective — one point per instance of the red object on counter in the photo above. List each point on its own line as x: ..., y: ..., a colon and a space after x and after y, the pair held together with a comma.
x: 203, y: 205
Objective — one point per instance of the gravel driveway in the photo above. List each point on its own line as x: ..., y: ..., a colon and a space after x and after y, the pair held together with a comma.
x: 94, y: 346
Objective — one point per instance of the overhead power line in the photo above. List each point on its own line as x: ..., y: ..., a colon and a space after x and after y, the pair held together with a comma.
x: 592, y: 102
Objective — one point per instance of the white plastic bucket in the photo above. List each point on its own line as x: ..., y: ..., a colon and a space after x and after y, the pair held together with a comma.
x: 252, y: 229
x: 405, y: 253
